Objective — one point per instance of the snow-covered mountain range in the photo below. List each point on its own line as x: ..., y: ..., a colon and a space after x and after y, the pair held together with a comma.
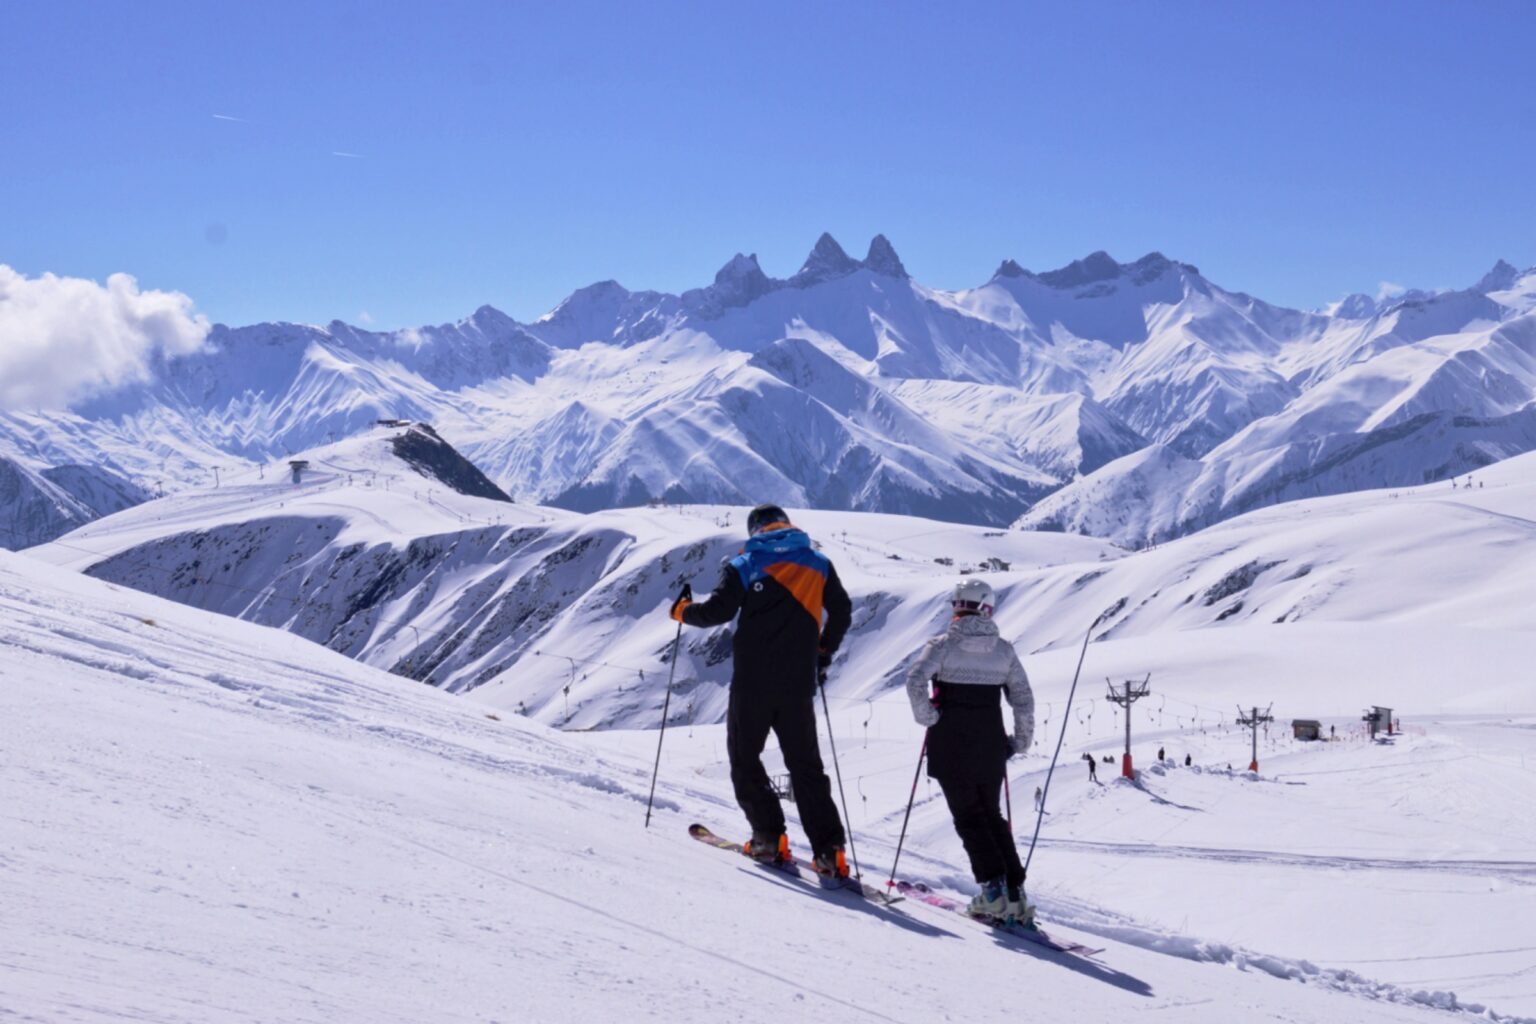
x: 1132, y: 401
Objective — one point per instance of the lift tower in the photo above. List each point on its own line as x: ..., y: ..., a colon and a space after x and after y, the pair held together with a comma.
x: 1130, y: 692
x: 1253, y: 719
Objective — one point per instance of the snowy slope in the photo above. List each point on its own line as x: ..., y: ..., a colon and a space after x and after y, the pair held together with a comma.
x: 209, y: 820
x: 561, y: 616
x: 370, y: 558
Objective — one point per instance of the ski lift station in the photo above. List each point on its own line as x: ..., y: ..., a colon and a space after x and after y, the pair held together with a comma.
x: 1306, y: 729
x: 1378, y: 718
x: 298, y: 466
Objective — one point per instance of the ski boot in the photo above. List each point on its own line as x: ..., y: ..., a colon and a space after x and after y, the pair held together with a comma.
x: 991, y: 902
x: 766, y: 848
x: 1018, y: 910
x: 830, y: 863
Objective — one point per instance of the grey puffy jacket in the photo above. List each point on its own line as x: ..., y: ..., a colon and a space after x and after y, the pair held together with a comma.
x: 970, y: 651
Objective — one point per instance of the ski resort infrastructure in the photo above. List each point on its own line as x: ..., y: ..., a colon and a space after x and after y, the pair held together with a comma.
x: 215, y: 819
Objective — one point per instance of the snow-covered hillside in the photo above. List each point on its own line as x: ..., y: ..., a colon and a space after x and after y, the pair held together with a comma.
x: 212, y: 820
x: 41, y: 502
x: 370, y: 557
x: 850, y: 386
x: 561, y: 616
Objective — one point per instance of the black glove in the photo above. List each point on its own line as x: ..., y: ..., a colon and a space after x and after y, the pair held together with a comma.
x: 823, y: 661
x: 684, y: 599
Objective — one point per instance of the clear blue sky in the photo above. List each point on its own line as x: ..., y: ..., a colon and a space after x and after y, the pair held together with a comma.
x: 509, y: 153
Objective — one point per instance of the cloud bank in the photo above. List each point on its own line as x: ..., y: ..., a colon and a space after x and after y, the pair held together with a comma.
x: 64, y: 339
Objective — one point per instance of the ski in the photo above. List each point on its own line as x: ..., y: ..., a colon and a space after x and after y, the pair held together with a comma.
x: 1030, y: 933
x: 792, y: 867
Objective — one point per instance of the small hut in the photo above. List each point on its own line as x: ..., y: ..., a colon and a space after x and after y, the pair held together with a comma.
x: 298, y: 466
x: 1306, y: 729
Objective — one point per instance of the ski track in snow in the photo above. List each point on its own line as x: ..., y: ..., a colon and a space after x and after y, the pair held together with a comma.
x: 1524, y: 871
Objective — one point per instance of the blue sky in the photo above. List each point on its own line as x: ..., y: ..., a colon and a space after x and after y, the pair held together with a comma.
x: 509, y: 153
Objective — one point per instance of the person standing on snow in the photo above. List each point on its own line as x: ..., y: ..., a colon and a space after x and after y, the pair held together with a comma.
x: 781, y: 587
x: 970, y: 670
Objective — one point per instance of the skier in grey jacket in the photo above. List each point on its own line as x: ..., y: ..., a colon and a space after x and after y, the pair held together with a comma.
x: 956, y: 687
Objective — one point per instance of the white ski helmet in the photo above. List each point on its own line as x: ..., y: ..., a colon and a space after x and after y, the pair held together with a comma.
x: 973, y: 595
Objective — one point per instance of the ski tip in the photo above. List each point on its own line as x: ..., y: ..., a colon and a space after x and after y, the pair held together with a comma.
x: 699, y: 830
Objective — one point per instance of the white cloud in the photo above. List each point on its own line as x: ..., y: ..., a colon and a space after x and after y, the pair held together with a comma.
x: 63, y: 339
x: 411, y: 338
x: 364, y: 317
x: 1389, y: 290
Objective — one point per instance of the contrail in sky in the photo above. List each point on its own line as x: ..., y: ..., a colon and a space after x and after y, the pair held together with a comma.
x: 227, y: 117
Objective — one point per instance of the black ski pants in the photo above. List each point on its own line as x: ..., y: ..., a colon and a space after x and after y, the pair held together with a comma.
x: 751, y: 714
x: 983, y: 829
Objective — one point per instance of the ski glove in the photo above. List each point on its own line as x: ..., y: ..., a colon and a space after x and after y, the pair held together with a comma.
x: 824, y: 660
x: 684, y: 599
x: 926, y: 714
x: 1018, y: 746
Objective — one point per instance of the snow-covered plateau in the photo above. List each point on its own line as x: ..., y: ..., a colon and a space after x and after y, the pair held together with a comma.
x: 1053, y: 399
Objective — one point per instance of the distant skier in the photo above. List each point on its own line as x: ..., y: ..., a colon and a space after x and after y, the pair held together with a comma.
x: 1188, y: 760
x: 1159, y: 755
x: 1093, y: 768
x: 781, y: 586
x: 1039, y: 796
x: 971, y: 670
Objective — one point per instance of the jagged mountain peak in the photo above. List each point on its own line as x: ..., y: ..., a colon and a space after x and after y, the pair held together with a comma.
x: 882, y: 258
x: 1501, y: 277
x: 741, y: 280
x: 598, y: 290
x: 1096, y: 266
x: 738, y: 267
x: 488, y: 314
x: 736, y: 284
x: 1358, y: 306
x: 826, y: 261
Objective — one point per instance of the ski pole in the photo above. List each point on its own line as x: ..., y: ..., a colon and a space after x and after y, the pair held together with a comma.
x: 1066, y: 716
x: 821, y: 681
x: 921, y: 754
x: 1007, y: 799
x: 665, y: 704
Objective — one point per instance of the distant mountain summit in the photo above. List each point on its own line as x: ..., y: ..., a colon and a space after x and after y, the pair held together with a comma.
x: 1131, y: 400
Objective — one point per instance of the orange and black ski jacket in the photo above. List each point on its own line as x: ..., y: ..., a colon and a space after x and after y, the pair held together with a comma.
x: 783, y: 589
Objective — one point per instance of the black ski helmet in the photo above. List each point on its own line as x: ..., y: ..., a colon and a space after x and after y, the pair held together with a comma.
x: 764, y: 515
